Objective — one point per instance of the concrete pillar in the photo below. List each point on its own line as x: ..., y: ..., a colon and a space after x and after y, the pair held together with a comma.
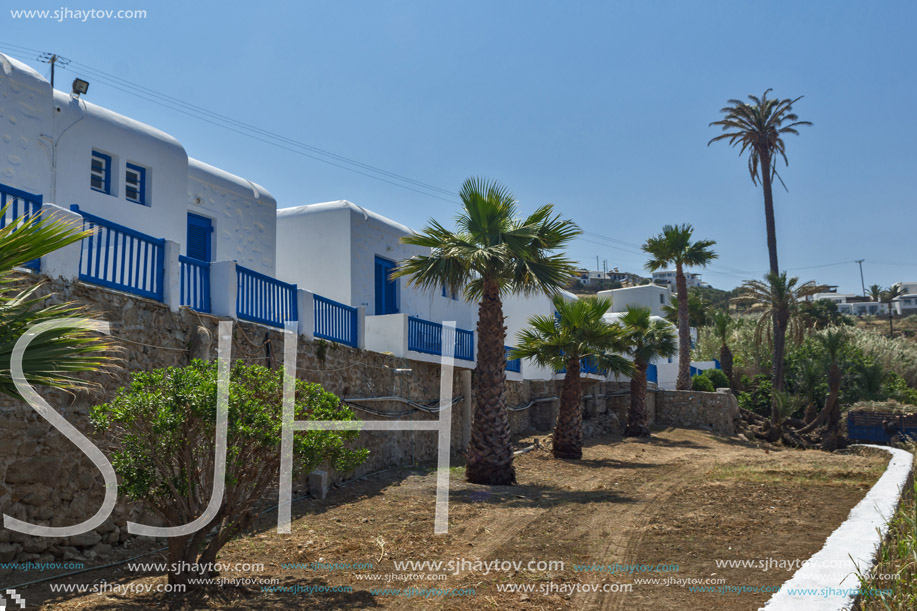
x: 63, y: 263
x: 361, y: 327
x: 171, y: 277
x: 224, y: 286
x: 305, y: 304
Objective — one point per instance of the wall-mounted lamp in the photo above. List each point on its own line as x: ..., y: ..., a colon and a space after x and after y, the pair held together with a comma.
x: 80, y: 86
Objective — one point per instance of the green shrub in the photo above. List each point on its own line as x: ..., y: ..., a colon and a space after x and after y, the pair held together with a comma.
x: 759, y: 396
x: 702, y: 383
x: 894, y: 387
x: 164, y: 426
x: 717, y: 378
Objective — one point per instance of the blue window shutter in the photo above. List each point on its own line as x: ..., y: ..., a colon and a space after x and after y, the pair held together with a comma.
x: 200, y: 230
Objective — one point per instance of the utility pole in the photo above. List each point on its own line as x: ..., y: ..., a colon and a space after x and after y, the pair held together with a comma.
x: 53, y: 59
x: 862, y: 282
x: 597, y: 268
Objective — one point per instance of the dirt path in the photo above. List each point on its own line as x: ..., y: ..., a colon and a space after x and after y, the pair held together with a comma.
x: 684, y: 498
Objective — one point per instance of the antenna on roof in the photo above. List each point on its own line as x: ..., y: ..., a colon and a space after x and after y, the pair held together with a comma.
x: 53, y: 59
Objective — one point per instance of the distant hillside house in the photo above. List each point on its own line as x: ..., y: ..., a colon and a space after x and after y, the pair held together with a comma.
x: 668, y: 278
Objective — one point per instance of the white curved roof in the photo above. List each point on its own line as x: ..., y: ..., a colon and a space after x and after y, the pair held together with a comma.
x: 10, y: 64
x: 204, y: 172
x: 341, y: 204
x: 614, y: 318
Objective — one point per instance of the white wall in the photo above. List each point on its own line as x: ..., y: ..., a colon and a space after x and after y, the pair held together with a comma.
x: 46, y: 143
x: 345, y: 239
x: 650, y: 296
x: 25, y: 115
x: 244, y: 216
x: 517, y: 310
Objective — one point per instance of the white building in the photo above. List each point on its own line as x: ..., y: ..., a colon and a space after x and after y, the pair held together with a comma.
x: 518, y: 310
x: 59, y: 148
x: 907, y: 302
x: 668, y: 278
x: 651, y: 296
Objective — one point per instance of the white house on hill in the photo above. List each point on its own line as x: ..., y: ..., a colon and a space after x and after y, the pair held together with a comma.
x: 651, y: 296
x: 63, y: 149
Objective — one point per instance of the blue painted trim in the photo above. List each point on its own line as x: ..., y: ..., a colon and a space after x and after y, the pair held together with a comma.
x: 511, y: 363
x: 120, y: 266
x: 264, y: 300
x: 195, y: 283
x: 107, y: 177
x: 141, y: 189
x: 335, y: 321
x: 427, y: 337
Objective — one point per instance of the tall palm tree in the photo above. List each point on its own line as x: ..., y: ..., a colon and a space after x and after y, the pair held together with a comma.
x: 576, y: 332
x: 647, y: 338
x: 698, y: 310
x: 492, y: 252
x: 759, y: 128
x: 779, y: 301
x: 875, y: 292
x: 722, y: 327
x: 674, y: 247
x: 888, y: 296
x: 54, y: 357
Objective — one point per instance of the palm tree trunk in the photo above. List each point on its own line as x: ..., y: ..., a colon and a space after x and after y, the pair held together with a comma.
x: 684, y: 336
x: 726, y: 364
x: 490, y: 451
x: 769, y: 221
x: 891, y: 328
x: 636, y: 415
x: 781, y: 321
x: 568, y: 433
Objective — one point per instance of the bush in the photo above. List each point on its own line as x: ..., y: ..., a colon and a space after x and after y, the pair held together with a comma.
x: 894, y: 387
x: 759, y: 397
x: 717, y: 378
x: 164, y: 424
x: 702, y: 383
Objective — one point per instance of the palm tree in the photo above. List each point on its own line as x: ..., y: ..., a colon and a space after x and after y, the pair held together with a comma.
x: 54, y: 357
x: 778, y: 300
x: 491, y: 253
x: 808, y: 380
x: 674, y: 247
x: 698, y: 310
x: 722, y: 328
x: 759, y: 128
x: 875, y: 292
x: 576, y: 332
x: 888, y: 296
x: 647, y: 338
x: 833, y: 341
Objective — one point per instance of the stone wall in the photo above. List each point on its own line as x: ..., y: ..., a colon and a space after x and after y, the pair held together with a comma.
x: 713, y: 411
x: 46, y: 480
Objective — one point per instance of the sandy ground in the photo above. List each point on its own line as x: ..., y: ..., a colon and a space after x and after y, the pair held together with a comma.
x: 674, y: 504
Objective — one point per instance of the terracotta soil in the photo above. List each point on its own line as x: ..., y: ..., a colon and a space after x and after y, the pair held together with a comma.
x: 684, y: 497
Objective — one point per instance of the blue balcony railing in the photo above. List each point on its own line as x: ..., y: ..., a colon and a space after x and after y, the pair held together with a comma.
x: 335, y: 321
x: 427, y: 337
x: 18, y: 206
x: 263, y: 299
x: 121, y: 258
x: 511, y: 363
x: 586, y: 365
x: 195, y: 283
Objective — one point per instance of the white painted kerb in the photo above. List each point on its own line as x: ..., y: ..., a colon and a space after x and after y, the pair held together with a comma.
x: 828, y: 580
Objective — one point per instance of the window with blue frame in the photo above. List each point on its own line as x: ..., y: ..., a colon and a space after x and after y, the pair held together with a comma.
x: 100, y: 173
x: 386, y: 287
x: 135, y: 184
x: 450, y: 294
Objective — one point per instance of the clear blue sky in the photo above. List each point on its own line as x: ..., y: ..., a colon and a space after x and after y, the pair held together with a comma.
x: 600, y: 108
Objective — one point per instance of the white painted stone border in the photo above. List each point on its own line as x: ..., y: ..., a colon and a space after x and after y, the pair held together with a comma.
x: 828, y: 580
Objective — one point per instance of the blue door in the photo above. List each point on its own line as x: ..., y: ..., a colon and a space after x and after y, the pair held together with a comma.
x: 386, y: 288
x: 200, y: 235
